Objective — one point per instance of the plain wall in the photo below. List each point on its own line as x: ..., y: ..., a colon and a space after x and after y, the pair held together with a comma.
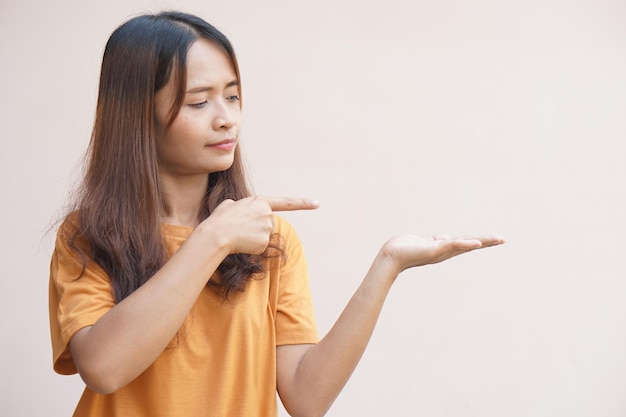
x: 451, y: 116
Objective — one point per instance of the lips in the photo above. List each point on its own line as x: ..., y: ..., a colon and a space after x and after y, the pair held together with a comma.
x: 225, y: 145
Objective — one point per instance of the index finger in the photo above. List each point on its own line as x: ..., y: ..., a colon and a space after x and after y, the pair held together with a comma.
x: 291, y: 204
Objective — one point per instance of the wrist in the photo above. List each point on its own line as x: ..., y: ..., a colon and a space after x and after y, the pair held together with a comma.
x: 389, y: 261
x: 209, y: 237
x: 384, y: 269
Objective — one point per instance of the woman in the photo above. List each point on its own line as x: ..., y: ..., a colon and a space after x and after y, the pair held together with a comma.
x: 173, y: 291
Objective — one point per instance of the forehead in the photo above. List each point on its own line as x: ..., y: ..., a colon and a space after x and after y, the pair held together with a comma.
x: 208, y: 65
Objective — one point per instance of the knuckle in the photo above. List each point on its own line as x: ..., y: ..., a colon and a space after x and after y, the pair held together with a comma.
x: 261, y: 202
x: 227, y: 202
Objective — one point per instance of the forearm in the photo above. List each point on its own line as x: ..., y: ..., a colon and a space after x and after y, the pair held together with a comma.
x: 327, y: 366
x: 312, y: 377
x: 129, y: 337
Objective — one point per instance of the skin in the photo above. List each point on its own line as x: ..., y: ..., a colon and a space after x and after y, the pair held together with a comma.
x: 210, y: 114
x: 128, y: 338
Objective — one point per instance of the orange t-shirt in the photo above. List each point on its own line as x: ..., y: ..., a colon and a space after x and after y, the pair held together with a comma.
x: 223, y: 363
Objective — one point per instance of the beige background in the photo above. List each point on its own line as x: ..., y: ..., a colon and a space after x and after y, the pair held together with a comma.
x: 400, y: 116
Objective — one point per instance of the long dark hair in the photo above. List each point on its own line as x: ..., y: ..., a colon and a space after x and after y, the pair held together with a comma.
x: 120, y: 203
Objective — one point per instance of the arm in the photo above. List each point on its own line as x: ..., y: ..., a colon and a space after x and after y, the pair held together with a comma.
x: 130, y: 336
x: 311, y: 376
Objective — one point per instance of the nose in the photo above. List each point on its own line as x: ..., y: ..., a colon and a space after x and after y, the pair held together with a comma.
x: 224, y: 117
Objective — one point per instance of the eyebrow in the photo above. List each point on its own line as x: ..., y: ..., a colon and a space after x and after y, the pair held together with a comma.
x: 202, y: 89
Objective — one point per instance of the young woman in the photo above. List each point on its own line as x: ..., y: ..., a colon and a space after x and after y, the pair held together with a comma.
x: 173, y: 291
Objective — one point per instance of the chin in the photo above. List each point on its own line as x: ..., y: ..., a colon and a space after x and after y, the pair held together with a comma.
x: 220, y: 167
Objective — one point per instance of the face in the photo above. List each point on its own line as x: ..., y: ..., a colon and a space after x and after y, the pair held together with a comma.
x: 204, y: 134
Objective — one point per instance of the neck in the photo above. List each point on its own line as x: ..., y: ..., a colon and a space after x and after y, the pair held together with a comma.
x: 184, y: 197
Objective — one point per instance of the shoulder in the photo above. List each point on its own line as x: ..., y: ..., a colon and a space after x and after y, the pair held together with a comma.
x: 69, y: 225
x: 286, y: 231
x: 72, y: 252
x: 282, y: 225
x: 69, y: 234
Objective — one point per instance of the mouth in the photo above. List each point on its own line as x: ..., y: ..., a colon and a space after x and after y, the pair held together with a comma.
x: 224, y: 145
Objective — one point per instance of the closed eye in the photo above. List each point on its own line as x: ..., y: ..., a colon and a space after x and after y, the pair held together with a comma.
x: 198, y: 105
x: 232, y: 99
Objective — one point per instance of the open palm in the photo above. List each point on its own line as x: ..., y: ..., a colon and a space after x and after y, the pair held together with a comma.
x: 408, y: 251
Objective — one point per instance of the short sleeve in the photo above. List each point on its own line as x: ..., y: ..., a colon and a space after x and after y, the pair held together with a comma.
x: 295, y: 316
x: 79, y: 294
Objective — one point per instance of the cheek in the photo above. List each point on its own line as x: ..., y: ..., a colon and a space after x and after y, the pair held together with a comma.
x: 167, y: 144
x: 180, y: 140
x: 183, y: 129
x: 176, y: 133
